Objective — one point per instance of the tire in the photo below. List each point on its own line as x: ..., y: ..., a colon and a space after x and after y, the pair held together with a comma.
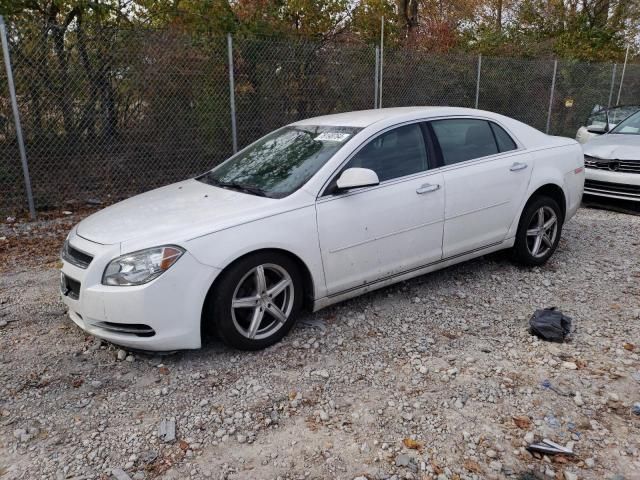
x: 535, y: 248
x: 247, y: 318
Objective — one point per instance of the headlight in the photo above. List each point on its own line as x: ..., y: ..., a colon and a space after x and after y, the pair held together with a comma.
x: 141, y: 267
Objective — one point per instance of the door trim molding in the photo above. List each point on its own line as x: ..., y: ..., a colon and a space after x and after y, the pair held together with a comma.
x: 386, y: 235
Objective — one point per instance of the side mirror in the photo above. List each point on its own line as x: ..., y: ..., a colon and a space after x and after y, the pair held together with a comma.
x: 599, y: 129
x: 356, y: 178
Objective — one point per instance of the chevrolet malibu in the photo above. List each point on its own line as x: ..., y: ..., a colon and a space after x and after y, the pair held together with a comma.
x: 314, y: 213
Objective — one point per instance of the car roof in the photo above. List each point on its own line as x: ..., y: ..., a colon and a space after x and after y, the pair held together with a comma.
x: 364, y: 118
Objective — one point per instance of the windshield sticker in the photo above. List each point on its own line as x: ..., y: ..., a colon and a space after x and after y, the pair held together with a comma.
x: 332, y: 137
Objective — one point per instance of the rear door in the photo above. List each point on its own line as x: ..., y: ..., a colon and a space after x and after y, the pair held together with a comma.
x: 486, y: 176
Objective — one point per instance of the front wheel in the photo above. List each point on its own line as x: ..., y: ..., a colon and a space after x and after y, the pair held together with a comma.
x: 255, y: 302
x: 539, y: 231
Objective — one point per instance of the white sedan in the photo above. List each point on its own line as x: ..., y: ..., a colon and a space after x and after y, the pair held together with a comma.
x: 603, y: 120
x: 314, y: 213
x: 612, y: 162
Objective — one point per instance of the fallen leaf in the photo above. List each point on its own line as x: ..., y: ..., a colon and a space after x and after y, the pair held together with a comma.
x: 580, y: 363
x: 183, y: 445
x: 472, y: 466
x: 77, y: 382
x: 629, y: 346
x: 413, y: 444
x: 163, y: 371
x: 522, y: 421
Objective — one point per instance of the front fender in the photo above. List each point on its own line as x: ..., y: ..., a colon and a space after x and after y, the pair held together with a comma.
x: 294, y: 231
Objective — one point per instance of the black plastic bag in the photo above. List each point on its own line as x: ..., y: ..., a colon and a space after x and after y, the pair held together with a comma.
x: 550, y: 324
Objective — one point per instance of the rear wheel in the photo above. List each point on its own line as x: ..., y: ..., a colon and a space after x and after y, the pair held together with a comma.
x: 256, y: 301
x: 539, y: 231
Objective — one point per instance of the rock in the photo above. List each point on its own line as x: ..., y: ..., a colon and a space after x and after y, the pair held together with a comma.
x: 167, y: 430
x: 495, y: 465
x: 121, y: 355
x: 577, y: 399
x: 130, y: 358
x: 241, y: 438
x: 636, y: 408
x: 3, y: 323
x: 320, y: 373
x: 529, y: 437
x: 570, y: 476
x: 492, y: 454
x: 590, y: 462
x: 403, y: 460
x: 569, y: 365
x: 96, y: 383
x: 324, y: 416
x: 119, y: 474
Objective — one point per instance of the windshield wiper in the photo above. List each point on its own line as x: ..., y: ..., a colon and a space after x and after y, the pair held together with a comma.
x: 240, y: 187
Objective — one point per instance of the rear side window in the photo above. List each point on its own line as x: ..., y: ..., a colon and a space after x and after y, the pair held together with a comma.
x: 463, y: 139
x: 505, y: 142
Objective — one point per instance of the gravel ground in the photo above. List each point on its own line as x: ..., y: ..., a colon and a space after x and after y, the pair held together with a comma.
x: 432, y: 378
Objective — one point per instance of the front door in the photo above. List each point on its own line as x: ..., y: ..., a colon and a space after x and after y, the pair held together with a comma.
x: 372, y: 233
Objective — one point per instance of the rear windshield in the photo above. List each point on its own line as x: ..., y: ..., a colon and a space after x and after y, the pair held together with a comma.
x: 280, y: 163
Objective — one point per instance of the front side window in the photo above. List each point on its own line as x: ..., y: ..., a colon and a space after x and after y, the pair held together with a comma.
x: 598, y: 119
x: 280, y: 163
x: 463, y: 139
x: 630, y: 126
x: 396, y: 153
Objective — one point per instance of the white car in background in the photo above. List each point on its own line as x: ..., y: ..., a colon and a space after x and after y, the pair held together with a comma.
x: 612, y: 162
x: 314, y: 213
x: 603, y: 120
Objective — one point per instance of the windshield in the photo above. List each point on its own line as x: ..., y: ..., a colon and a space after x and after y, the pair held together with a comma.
x: 630, y: 126
x: 280, y: 163
x: 617, y: 114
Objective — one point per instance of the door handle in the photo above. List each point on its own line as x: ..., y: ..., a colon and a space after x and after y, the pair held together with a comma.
x: 427, y: 187
x: 518, y: 166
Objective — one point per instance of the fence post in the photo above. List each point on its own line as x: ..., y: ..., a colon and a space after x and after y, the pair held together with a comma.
x: 613, y: 82
x: 478, y: 79
x: 553, y: 88
x: 16, y: 116
x: 381, y: 59
x: 624, y: 68
x: 375, y: 79
x: 232, y: 94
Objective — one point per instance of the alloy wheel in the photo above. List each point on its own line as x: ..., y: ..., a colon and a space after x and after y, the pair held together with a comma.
x: 262, y: 301
x: 542, y: 232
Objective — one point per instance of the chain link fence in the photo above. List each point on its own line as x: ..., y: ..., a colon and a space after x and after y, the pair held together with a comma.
x: 115, y: 113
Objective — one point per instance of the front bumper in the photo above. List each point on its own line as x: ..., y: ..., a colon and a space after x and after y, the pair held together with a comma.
x: 161, y: 315
x: 620, y: 185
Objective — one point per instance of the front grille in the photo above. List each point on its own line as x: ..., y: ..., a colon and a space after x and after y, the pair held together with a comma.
x: 69, y: 287
x: 620, y: 189
x: 75, y: 256
x: 623, y: 166
x: 138, y: 329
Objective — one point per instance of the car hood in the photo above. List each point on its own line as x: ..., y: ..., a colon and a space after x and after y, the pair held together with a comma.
x: 180, y: 211
x: 614, y: 147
